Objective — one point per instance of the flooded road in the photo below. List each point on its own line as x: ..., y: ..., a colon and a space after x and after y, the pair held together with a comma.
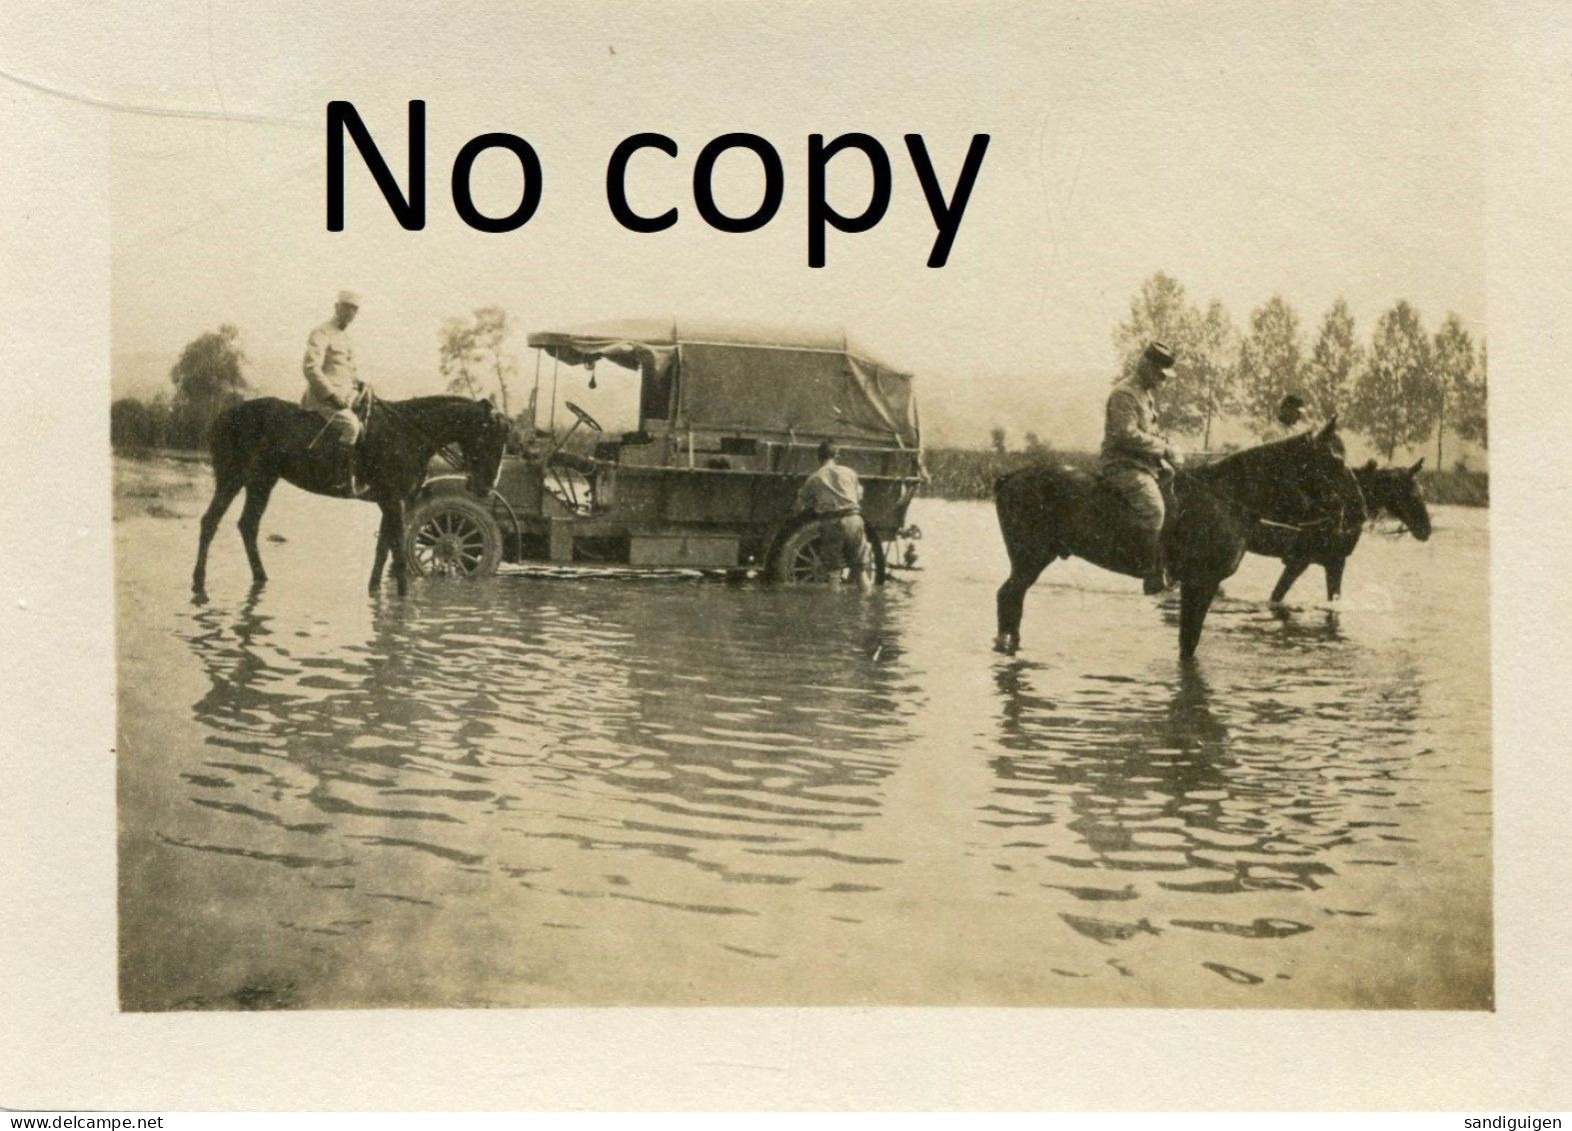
x: 530, y: 791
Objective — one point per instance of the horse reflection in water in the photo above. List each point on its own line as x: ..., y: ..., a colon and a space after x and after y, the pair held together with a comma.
x: 568, y: 723
x: 1155, y: 782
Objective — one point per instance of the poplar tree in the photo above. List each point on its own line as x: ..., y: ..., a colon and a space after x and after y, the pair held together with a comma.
x: 1334, y: 360
x: 1453, y: 360
x: 1271, y: 363
x: 1394, y: 401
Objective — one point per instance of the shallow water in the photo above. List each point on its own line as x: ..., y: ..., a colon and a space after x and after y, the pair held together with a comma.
x: 530, y: 791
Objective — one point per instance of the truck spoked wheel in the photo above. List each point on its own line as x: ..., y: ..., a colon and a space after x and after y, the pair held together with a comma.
x: 798, y: 556
x: 452, y: 536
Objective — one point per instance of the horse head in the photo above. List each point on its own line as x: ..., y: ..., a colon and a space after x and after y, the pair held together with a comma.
x: 482, y: 443
x: 1399, y: 494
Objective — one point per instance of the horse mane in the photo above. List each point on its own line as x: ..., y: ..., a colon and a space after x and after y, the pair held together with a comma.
x: 438, y: 400
x: 1267, y: 477
x: 1249, y: 458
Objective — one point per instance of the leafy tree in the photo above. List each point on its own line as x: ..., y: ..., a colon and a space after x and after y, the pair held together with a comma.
x: 208, y: 378
x: 1335, y: 358
x: 996, y: 439
x: 473, y: 354
x: 1207, y: 373
x: 1034, y: 445
x: 1453, y: 360
x: 1205, y: 347
x: 1271, y: 363
x: 1471, y: 418
x: 1394, y: 400
x: 1158, y: 312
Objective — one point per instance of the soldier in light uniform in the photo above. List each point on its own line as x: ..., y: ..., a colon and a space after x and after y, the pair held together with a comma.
x: 834, y: 494
x: 332, y: 384
x: 1135, y: 455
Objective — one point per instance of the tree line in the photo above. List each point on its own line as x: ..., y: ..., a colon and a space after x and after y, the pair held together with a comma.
x: 473, y: 360
x: 1398, y: 389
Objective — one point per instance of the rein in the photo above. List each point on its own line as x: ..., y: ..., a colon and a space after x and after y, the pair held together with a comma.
x: 1261, y: 518
x: 449, y: 453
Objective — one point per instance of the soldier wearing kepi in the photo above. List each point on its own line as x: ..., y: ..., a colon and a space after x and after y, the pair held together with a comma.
x: 332, y: 384
x: 1135, y: 456
x: 1290, y: 414
x: 834, y: 495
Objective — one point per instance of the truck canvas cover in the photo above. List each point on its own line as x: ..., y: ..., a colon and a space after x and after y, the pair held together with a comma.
x: 744, y: 377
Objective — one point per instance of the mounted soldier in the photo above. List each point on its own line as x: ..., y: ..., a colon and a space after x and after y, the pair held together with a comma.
x: 333, y: 386
x: 1136, y: 457
x: 1290, y: 414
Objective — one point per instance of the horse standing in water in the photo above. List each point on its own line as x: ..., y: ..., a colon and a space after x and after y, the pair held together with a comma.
x: 1047, y: 512
x: 1380, y: 490
x: 259, y: 442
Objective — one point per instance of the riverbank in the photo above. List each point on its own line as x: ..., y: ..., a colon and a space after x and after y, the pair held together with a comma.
x: 962, y: 473
x: 159, y: 483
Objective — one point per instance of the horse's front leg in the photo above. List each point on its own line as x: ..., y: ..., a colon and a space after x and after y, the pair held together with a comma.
x: 1334, y: 578
x: 381, y: 556
x: 1195, y: 598
x: 1292, y: 568
x: 393, y: 519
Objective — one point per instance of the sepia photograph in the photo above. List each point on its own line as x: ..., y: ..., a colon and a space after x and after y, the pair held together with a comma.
x: 703, y: 505
x: 1069, y: 591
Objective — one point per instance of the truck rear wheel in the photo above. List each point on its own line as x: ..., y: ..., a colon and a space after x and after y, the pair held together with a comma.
x: 797, y: 555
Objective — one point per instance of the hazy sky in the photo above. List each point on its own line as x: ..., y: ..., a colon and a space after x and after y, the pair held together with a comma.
x: 1312, y: 151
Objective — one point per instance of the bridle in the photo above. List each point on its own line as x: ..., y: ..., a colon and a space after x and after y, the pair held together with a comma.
x: 450, y: 453
x: 1259, y: 517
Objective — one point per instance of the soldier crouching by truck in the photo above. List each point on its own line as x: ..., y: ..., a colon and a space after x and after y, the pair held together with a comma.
x: 833, y: 494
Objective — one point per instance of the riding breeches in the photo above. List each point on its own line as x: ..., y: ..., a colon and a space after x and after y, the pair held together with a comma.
x: 343, y: 423
x: 1139, y: 489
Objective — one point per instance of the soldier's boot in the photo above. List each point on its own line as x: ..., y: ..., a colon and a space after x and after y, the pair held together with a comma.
x: 344, y: 461
x: 1156, y: 579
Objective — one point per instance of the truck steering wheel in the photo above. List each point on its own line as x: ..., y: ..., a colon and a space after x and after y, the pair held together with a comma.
x: 584, y: 418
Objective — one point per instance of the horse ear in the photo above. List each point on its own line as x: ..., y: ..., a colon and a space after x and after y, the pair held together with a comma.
x: 1370, y: 464
x: 1330, y: 429
x: 1415, y: 469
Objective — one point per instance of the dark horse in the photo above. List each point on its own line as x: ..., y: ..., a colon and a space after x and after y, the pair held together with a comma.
x: 1047, y: 512
x: 259, y: 442
x: 1379, y: 490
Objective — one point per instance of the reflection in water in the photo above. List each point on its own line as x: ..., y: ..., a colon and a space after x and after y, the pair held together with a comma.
x: 1181, y: 789
x: 565, y: 792
x: 684, y: 729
